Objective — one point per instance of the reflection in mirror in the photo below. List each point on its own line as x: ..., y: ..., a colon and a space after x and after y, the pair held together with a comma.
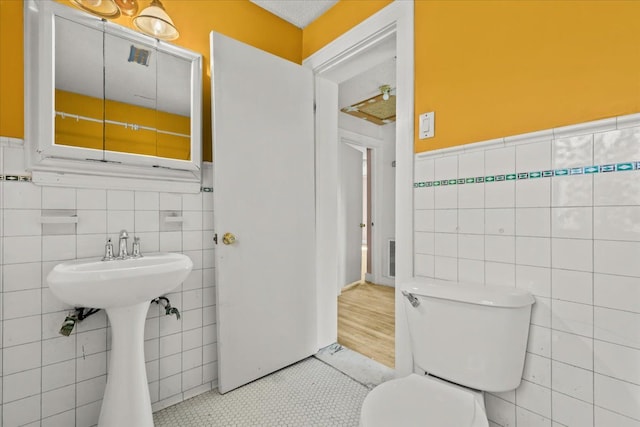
x: 130, y: 96
x: 79, y: 87
x: 174, y: 106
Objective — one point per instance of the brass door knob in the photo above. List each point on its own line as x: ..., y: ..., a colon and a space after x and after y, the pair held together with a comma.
x: 228, y: 239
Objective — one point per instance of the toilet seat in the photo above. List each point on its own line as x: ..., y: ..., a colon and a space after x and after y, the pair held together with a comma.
x: 418, y: 400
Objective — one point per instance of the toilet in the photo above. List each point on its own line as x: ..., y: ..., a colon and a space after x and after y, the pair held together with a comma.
x: 465, y: 339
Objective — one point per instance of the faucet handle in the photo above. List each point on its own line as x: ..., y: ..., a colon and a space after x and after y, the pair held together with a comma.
x: 124, y: 234
x: 108, y: 251
x: 136, y: 248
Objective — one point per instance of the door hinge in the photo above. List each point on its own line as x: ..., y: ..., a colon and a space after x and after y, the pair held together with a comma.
x: 314, y: 108
x: 215, y: 238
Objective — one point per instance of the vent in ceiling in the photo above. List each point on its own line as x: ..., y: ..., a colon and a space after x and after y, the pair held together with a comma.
x: 375, y: 110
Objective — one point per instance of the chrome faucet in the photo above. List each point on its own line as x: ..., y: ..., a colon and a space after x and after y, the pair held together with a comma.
x: 108, y: 251
x: 135, y: 250
x: 123, y: 253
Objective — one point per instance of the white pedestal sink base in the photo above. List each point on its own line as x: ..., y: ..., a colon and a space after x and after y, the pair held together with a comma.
x: 126, y: 399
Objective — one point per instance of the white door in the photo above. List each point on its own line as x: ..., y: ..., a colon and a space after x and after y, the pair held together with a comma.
x: 350, y: 208
x: 264, y: 195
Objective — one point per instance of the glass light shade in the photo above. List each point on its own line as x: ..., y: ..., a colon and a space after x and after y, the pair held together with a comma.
x: 103, y: 8
x: 128, y: 7
x: 154, y: 21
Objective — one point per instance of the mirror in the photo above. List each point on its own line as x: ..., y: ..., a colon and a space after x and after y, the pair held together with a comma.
x: 108, y: 94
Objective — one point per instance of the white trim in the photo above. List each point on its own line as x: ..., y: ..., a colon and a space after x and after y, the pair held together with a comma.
x: 596, y: 126
x: 397, y: 16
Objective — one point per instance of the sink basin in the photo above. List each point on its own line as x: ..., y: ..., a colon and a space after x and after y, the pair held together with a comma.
x: 124, y: 288
x: 102, y: 284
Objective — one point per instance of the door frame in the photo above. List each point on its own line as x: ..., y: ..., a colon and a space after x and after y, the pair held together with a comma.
x: 397, y: 17
x: 377, y: 240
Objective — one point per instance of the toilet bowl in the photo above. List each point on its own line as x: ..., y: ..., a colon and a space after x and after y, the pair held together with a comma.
x: 420, y: 400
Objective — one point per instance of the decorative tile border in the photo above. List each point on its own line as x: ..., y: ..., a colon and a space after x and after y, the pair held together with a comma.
x: 586, y: 170
x: 24, y: 178
x: 206, y: 189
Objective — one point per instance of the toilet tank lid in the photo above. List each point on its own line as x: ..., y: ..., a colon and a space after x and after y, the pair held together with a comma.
x: 496, y: 296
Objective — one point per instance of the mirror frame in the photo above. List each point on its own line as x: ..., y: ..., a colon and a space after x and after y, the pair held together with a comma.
x: 61, y: 165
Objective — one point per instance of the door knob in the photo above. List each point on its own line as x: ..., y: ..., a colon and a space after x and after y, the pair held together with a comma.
x: 228, y: 239
x: 363, y: 225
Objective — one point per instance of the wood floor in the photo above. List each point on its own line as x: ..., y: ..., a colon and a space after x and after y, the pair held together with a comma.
x: 366, y: 321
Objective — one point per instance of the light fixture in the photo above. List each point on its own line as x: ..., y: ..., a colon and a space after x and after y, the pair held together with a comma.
x: 155, y: 21
x: 385, y: 90
x: 103, y: 8
x: 128, y: 7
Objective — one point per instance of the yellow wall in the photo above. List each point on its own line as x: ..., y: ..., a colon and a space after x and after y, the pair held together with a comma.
x: 497, y: 68
x: 195, y: 19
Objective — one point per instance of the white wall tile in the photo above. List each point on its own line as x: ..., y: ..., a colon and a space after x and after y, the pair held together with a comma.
x: 446, y: 197
x: 617, y: 361
x: 424, y: 220
x: 572, y: 152
x: 21, y: 412
x: 535, y: 251
x: 192, y: 220
x: 572, y: 191
x: 471, y: 164
x: 618, y: 396
x: 571, y: 412
x: 424, y: 243
x: 445, y: 268
x: 58, y: 248
x: 423, y: 170
x: 574, y: 286
x: 534, y: 398
x: 91, y: 199
x: 539, y: 341
x: 500, y: 161
x: 170, y: 201
x: 423, y: 198
x: 22, y: 303
x: 146, y: 221
x: 191, y: 240
x: 573, y: 381
x: 572, y: 254
x: 59, y: 400
x: 21, y: 358
x: 119, y: 220
x: 21, y: 195
x: 92, y: 245
x: 531, y: 193
x: 572, y: 349
x: 471, y: 196
x: 192, y: 202
x: 63, y: 419
x: 500, y: 221
x: 22, y: 222
x: 147, y: 201
x: 500, y: 411
x: 87, y: 415
x: 21, y: 331
x: 58, y: 350
x: 471, y: 246
x: 170, y: 386
x: 120, y: 200
x: 500, y: 274
x: 616, y: 257
x: 90, y: 391
x: 20, y: 385
x: 58, y: 375
x: 58, y: 198
x: 16, y: 277
x: 619, y: 292
x: 533, y: 157
x: 604, y: 418
x: 616, y: 189
x: 170, y: 365
x: 572, y: 223
x: 471, y: 221
x: 500, y: 248
x: 617, y: 146
x: 22, y: 249
x: 526, y: 418
x: 446, y: 244
x: 500, y: 195
x: 424, y: 265
x: 171, y: 241
x: 92, y: 222
x: 537, y: 369
x: 620, y: 327
x: 536, y: 280
x: 533, y: 222
x: 615, y: 223
x: 446, y: 220
x: 470, y: 271
x: 572, y: 317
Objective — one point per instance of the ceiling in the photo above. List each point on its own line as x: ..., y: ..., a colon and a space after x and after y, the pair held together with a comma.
x: 297, y: 12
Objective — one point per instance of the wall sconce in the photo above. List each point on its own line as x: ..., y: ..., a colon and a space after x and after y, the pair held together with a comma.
x: 386, y: 91
x: 154, y: 21
x: 128, y: 7
x: 104, y: 8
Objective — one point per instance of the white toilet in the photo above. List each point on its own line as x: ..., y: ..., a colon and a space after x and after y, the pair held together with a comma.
x: 465, y: 339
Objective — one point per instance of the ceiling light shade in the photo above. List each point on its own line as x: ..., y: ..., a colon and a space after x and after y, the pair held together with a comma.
x: 386, y: 91
x: 103, y: 8
x: 128, y: 7
x: 155, y: 22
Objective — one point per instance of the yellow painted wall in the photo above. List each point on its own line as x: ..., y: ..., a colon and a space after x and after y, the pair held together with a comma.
x: 497, y: 68
x: 343, y: 16
x: 195, y: 19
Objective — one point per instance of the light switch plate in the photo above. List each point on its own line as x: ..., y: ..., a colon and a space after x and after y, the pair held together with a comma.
x: 427, y: 122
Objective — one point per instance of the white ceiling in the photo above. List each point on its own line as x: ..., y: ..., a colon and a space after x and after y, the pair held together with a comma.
x: 297, y: 12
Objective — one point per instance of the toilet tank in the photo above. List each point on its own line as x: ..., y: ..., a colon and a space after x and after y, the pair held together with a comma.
x: 472, y: 335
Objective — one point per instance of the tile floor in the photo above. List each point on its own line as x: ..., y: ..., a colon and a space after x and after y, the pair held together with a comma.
x: 308, y: 393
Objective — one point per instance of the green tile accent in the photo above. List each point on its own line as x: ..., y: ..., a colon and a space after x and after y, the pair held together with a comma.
x: 511, y: 177
x: 535, y: 174
x: 489, y: 178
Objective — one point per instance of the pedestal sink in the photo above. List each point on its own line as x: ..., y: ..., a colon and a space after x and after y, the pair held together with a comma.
x: 124, y: 289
